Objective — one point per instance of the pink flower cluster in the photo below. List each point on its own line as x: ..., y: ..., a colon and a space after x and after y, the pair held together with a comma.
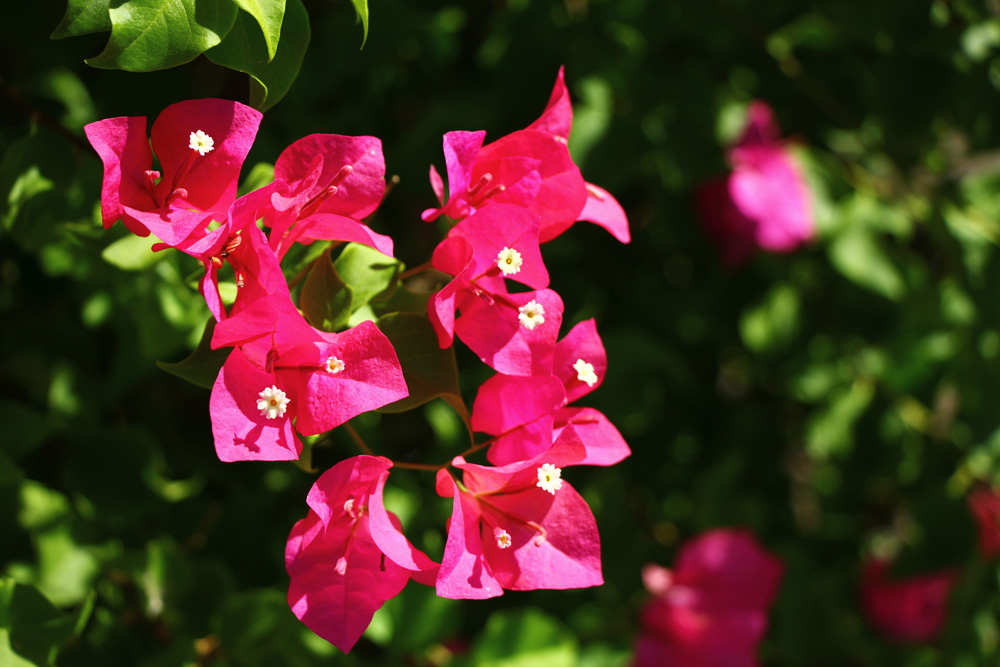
x: 517, y: 524
x: 711, y: 609
x: 764, y: 202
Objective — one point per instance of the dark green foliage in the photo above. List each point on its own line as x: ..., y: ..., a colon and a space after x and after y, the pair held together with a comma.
x: 836, y: 401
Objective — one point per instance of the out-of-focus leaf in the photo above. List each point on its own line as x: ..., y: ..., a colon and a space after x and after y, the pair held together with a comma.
x: 258, y: 630
x: 830, y: 431
x: 83, y: 17
x: 268, y: 14
x: 24, y: 429
x: 261, y: 174
x: 859, y: 256
x: 202, y: 366
x: 148, y: 35
x: 428, y: 370
x: 370, y: 274
x: 66, y: 569
x: 244, y: 50
x: 34, y: 628
x: 524, y: 638
x: 361, y: 7
x: 773, y: 323
x: 591, y: 118
x: 9, y: 472
x: 132, y: 253
x: 325, y: 300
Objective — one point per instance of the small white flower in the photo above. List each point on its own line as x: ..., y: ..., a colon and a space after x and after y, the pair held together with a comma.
x: 549, y: 478
x: 503, y: 538
x: 585, y: 372
x: 272, y: 403
x: 531, y: 315
x: 201, y: 142
x: 509, y: 261
x: 334, y: 365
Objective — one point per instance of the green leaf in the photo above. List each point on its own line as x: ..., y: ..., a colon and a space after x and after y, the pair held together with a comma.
x: 428, y: 370
x: 773, y: 323
x: 261, y: 174
x: 202, y: 366
x: 34, y: 627
x: 132, y: 253
x: 148, y: 35
x: 830, y: 431
x: 371, y: 274
x: 361, y: 7
x: 858, y: 255
x: 325, y: 300
x: 245, y: 50
x: 84, y: 17
x: 526, y: 638
x: 268, y: 14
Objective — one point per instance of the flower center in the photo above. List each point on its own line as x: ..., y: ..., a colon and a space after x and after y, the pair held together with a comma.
x: 585, y: 372
x: 272, y: 403
x: 549, y: 478
x: 201, y: 142
x: 334, y: 365
x: 531, y: 314
x: 503, y: 537
x: 509, y: 261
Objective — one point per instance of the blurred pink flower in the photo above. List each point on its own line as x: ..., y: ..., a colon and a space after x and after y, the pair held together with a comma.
x: 711, y: 609
x: 912, y: 609
x: 984, y: 504
x: 764, y: 202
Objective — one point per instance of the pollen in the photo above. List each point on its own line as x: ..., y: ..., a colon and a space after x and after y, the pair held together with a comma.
x: 334, y: 365
x: 549, y: 478
x: 201, y: 142
x: 509, y: 261
x: 585, y: 372
x: 531, y: 315
x: 272, y: 403
x: 503, y: 538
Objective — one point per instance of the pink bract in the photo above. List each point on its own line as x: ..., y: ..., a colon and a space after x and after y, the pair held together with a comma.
x: 349, y: 555
x: 711, y: 609
x: 764, y: 203
x: 907, y: 610
x: 530, y: 168
x: 508, y: 533
x: 192, y: 187
x: 984, y: 503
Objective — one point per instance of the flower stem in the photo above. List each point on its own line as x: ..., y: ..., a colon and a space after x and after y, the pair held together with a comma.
x: 426, y: 266
x: 356, y: 437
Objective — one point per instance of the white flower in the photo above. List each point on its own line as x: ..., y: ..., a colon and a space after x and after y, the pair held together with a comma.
x: 201, y: 142
x: 549, y: 478
x: 503, y: 537
x: 509, y: 261
x: 334, y: 365
x: 585, y: 372
x: 531, y: 315
x: 272, y: 403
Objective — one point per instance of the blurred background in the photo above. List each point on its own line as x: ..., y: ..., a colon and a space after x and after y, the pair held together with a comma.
x: 839, y: 401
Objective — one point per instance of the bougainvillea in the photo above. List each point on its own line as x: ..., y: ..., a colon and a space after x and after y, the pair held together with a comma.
x: 711, y: 609
x: 292, y: 372
x: 764, y: 202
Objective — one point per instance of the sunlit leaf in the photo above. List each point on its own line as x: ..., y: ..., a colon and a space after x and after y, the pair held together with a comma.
x: 361, y: 7
x: 524, y: 638
x: 148, y: 35
x: 84, y: 17
x: 245, y: 50
x: 370, y: 274
x: 132, y: 253
x: 268, y: 14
